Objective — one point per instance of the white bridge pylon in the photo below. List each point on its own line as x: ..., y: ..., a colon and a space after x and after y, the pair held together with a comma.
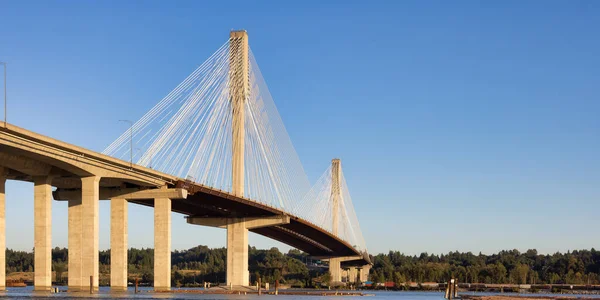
x: 190, y: 134
x: 330, y: 197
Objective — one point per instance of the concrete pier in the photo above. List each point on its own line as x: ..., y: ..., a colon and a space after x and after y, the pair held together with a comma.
x: 42, y: 207
x: 74, y: 244
x: 237, y: 242
x: 364, y: 273
x: 83, y: 219
x: 353, y: 274
x: 237, y: 254
x: 335, y: 270
x: 2, y: 229
x: 90, y: 263
x: 162, y: 244
x: 118, y: 244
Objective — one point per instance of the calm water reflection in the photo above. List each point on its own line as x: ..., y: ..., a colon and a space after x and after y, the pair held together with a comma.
x: 27, y: 293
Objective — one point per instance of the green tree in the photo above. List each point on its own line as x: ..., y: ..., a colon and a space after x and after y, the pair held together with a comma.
x: 59, y: 268
x: 326, y: 279
x: 399, y: 279
x: 522, y: 271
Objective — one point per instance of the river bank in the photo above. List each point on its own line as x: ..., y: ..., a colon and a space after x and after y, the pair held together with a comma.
x: 522, y: 297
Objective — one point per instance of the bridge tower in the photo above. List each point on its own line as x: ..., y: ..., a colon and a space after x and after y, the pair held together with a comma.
x: 336, y: 192
x: 335, y: 268
x: 239, y: 90
x: 238, y: 226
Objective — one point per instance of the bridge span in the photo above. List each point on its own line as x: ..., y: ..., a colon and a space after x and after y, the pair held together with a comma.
x: 83, y: 177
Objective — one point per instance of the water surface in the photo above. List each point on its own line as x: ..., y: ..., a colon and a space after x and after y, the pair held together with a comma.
x: 146, y: 293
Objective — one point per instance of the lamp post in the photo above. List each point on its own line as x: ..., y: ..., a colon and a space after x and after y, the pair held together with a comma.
x: 130, y: 141
x: 4, y: 63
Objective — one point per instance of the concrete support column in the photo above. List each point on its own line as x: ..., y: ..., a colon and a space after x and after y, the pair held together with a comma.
x: 237, y: 253
x: 42, y: 207
x: 118, y: 244
x: 2, y: 230
x: 90, y: 194
x: 335, y: 269
x: 237, y: 242
x: 352, y: 275
x: 344, y: 275
x: 364, y: 273
x: 162, y: 244
x: 74, y: 244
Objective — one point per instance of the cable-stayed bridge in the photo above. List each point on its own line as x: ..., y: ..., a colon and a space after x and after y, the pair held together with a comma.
x: 214, y: 149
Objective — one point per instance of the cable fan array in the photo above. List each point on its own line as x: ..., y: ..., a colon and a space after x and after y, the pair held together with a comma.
x: 320, y: 199
x: 184, y: 133
x: 188, y: 134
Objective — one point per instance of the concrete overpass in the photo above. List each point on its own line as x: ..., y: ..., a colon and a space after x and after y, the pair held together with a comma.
x: 83, y: 177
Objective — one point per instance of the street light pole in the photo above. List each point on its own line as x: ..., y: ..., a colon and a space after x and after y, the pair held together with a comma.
x: 4, y: 63
x: 130, y: 141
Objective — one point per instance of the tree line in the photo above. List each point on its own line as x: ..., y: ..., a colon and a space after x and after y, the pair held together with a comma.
x: 512, y: 266
x: 199, y: 264
x: 190, y: 267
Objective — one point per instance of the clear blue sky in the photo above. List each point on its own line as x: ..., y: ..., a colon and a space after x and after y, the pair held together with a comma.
x: 462, y: 125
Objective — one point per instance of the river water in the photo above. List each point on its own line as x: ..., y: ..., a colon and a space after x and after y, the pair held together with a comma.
x: 146, y: 293
x: 27, y: 293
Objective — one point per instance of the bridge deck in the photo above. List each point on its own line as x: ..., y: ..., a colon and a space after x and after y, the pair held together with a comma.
x: 203, y: 201
x: 70, y: 162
